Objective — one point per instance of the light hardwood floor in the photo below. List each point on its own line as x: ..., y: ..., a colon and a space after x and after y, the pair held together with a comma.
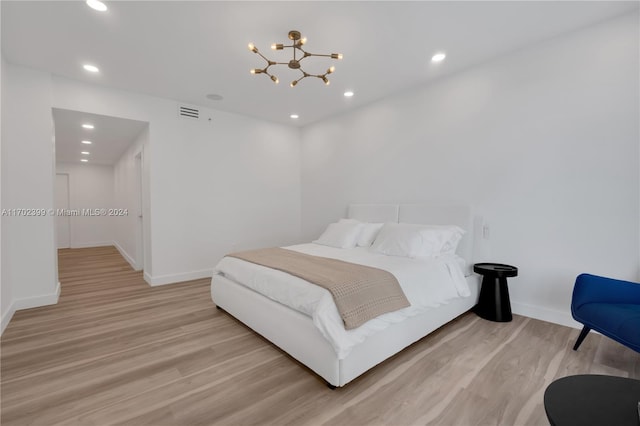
x: 116, y: 351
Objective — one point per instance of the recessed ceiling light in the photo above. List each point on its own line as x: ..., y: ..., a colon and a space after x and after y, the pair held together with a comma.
x: 294, y: 116
x: 97, y: 5
x: 87, y: 142
x: 84, y: 160
x: 90, y: 68
x: 348, y: 94
x: 88, y: 126
x: 438, y: 57
x: 215, y: 97
x: 84, y: 152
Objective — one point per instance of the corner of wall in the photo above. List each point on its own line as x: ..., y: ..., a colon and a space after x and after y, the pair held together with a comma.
x: 27, y: 303
x: 126, y: 256
x: 38, y: 301
x: 6, y: 317
x: 545, y: 314
x: 177, y: 278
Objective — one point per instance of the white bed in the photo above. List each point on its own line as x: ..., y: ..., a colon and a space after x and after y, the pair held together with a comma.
x: 296, y: 333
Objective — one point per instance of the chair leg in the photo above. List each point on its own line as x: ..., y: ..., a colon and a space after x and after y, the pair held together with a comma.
x: 581, y: 337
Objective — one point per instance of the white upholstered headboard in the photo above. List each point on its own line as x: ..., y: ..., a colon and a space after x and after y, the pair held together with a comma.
x: 374, y: 213
x: 422, y: 213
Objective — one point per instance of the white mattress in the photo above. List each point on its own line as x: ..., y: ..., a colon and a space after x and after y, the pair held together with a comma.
x: 427, y: 283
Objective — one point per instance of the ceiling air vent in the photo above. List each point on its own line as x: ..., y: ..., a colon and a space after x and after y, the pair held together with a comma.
x: 188, y: 112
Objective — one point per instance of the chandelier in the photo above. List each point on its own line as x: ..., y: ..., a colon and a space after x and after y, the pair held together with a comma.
x: 298, y: 55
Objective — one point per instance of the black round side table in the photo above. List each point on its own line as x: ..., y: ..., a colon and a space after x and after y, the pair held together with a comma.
x: 493, y: 303
x: 593, y: 400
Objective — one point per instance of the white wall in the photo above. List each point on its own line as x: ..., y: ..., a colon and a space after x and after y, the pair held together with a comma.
x: 544, y: 144
x: 90, y: 187
x: 215, y: 186
x: 30, y: 264
x: 127, y: 196
x: 6, y: 298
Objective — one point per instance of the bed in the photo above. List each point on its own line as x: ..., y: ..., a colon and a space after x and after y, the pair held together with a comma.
x: 295, y: 332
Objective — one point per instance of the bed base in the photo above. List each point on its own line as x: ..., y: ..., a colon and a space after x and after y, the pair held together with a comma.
x: 295, y: 333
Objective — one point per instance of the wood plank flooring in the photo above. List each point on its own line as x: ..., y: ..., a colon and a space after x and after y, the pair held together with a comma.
x: 116, y: 351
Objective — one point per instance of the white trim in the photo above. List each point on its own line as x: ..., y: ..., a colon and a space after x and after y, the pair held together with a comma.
x: 89, y: 245
x: 6, y: 317
x: 545, y: 314
x: 126, y: 256
x: 37, y: 301
x: 27, y: 303
x: 177, y: 278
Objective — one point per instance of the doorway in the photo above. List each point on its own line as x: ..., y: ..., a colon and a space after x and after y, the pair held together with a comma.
x: 102, y: 173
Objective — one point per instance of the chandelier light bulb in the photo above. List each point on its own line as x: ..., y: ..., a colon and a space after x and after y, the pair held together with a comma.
x: 253, y: 48
x: 293, y: 83
x: 303, y: 40
x: 326, y: 81
x: 275, y: 79
x: 331, y: 69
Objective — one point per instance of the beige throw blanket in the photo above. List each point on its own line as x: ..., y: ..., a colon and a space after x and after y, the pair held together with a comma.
x: 360, y: 292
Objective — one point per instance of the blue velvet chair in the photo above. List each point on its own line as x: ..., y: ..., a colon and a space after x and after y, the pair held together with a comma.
x: 609, y: 306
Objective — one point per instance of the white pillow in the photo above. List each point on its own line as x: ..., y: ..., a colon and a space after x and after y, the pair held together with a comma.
x: 439, y: 239
x: 369, y: 233
x: 341, y: 234
x: 408, y: 240
x: 395, y: 239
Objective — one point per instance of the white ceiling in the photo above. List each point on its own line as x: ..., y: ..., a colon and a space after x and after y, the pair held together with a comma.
x: 110, y: 137
x: 186, y: 50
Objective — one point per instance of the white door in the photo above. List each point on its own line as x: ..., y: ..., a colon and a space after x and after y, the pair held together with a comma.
x: 62, y: 202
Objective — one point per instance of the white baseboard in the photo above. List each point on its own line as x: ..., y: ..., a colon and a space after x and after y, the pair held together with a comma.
x: 37, y: 301
x: 88, y: 245
x: 177, y: 278
x: 28, y: 303
x: 545, y: 314
x: 126, y: 255
x: 6, y: 317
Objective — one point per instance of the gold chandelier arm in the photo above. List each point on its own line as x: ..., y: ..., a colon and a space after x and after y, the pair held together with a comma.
x: 331, y: 55
x: 263, y: 57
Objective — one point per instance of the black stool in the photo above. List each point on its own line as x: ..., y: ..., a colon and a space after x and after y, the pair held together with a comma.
x: 593, y: 400
x: 494, y: 304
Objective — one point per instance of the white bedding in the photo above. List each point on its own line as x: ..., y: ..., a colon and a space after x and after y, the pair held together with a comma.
x: 427, y: 283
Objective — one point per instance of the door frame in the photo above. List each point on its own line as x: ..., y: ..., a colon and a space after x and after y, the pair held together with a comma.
x: 68, y: 206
